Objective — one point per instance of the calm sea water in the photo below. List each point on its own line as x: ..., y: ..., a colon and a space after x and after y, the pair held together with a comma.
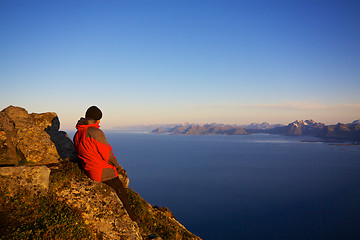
x: 247, y: 187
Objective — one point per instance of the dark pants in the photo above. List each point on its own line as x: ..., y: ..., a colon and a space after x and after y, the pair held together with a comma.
x: 117, y: 185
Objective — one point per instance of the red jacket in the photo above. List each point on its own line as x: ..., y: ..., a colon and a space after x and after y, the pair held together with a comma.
x: 95, y: 152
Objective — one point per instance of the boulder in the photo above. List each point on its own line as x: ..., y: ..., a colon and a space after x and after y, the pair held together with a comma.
x: 102, y: 209
x: 34, y: 179
x: 32, y: 139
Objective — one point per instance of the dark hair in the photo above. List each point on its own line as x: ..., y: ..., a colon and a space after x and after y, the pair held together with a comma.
x: 93, y: 112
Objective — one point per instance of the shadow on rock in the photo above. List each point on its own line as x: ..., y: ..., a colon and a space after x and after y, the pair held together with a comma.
x: 61, y: 140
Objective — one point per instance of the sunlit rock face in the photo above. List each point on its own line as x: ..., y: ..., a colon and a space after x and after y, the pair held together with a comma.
x: 32, y: 139
x: 33, y: 178
x: 101, y: 209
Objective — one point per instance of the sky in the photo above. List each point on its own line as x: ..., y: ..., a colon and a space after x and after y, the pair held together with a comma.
x: 165, y: 62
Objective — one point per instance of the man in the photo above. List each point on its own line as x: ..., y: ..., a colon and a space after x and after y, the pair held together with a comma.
x: 97, y: 158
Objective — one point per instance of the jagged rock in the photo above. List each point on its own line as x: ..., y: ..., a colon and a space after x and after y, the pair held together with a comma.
x: 32, y: 139
x: 165, y: 210
x: 35, y: 179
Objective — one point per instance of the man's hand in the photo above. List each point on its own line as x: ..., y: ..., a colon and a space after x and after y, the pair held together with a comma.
x: 123, y: 176
x: 119, y: 169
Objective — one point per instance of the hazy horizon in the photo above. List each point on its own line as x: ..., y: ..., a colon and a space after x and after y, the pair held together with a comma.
x: 165, y: 62
x: 153, y: 126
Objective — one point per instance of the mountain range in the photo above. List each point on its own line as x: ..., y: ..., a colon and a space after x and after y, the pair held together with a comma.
x: 338, y: 132
x: 207, y: 129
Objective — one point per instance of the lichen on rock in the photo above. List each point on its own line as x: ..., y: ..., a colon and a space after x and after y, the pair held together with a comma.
x: 100, y: 206
x: 33, y: 178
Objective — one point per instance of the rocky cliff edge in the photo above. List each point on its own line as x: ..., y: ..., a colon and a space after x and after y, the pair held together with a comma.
x: 46, y: 195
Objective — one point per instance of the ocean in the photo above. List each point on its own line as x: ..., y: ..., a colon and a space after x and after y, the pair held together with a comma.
x: 247, y: 187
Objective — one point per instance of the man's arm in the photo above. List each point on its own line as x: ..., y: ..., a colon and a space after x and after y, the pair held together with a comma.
x: 103, y: 147
x: 112, y: 159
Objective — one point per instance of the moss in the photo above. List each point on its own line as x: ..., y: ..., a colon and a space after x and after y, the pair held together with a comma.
x: 61, y: 178
x: 27, y: 216
x: 156, y: 220
x: 40, y: 217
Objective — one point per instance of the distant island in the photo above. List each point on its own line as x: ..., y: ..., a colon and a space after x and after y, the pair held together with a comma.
x: 338, y: 132
x: 207, y: 129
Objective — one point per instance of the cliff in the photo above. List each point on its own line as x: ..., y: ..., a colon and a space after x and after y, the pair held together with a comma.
x: 46, y: 195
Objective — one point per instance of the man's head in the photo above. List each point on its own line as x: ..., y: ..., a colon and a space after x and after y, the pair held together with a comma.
x: 93, y: 112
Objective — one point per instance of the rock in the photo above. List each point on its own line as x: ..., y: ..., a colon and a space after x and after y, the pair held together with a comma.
x: 165, y: 210
x: 35, y: 179
x: 101, y: 208
x: 32, y: 139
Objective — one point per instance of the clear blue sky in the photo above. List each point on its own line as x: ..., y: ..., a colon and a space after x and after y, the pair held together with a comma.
x: 153, y: 61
